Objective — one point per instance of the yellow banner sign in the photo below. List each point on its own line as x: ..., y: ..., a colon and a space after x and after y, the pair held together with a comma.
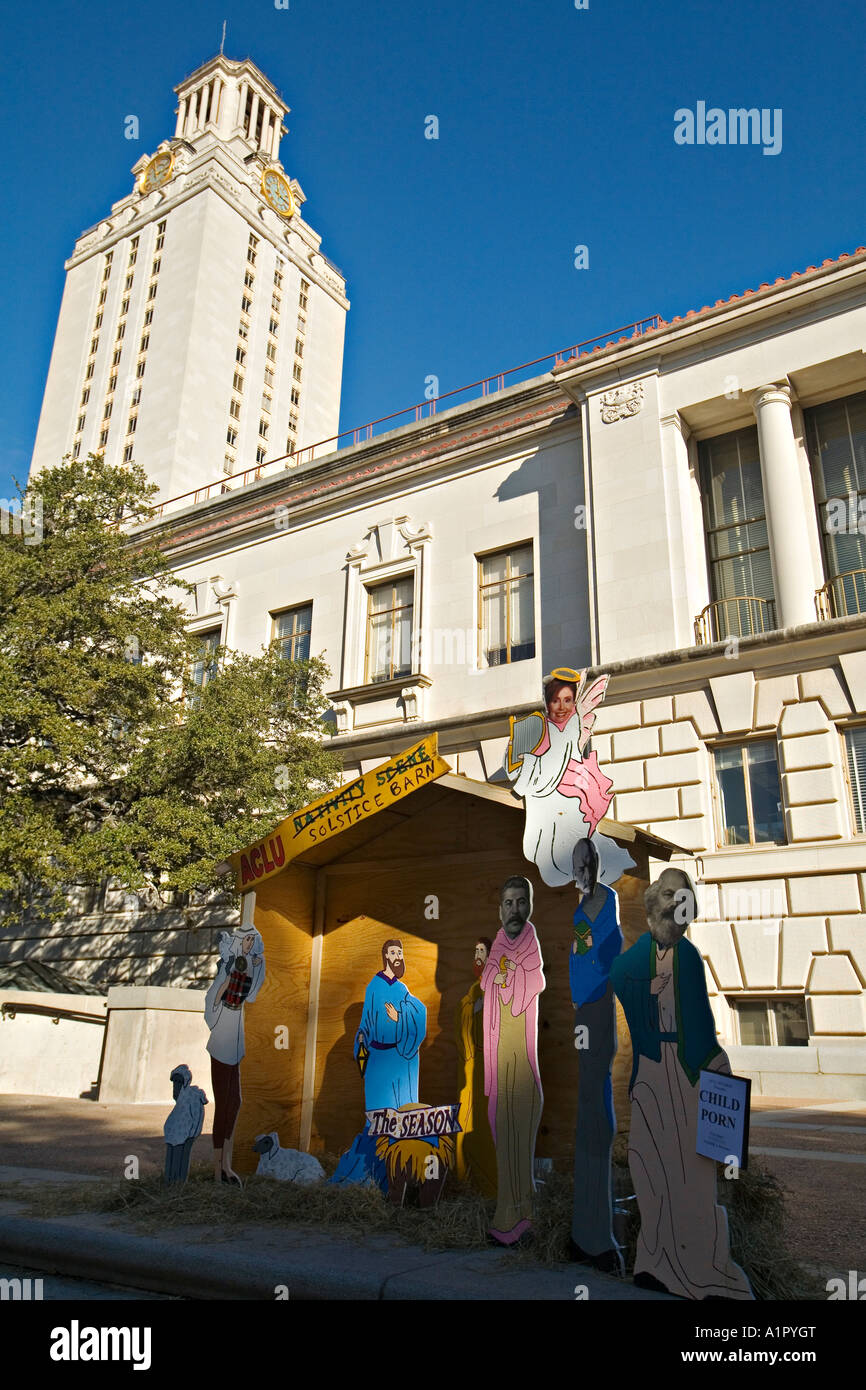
x: 335, y: 812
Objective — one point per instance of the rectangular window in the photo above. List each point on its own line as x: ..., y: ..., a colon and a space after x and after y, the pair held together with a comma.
x: 269, y: 376
x: 231, y: 436
x: 148, y: 317
x: 246, y: 303
x: 389, y: 630
x: 97, y: 322
x: 292, y: 630
x: 127, y: 453
x: 298, y: 372
x: 235, y: 408
x: 76, y: 449
x: 293, y: 424
x: 133, y: 256
x: 136, y: 396
x: 94, y: 344
x: 275, y: 302
x: 299, y: 347
x: 296, y: 396
x: 85, y: 395
x: 160, y: 242
x: 139, y: 371
x: 238, y: 382
x: 243, y: 330
x: 154, y: 269
x: 267, y: 402
x: 303, y: 301
x: 772, y: 1022
x: 249, y: 279
x: 205, y: 665
x: 80, y: 425
x: 145, y: 342
x: 251, y: 255
x: 836, y: 438
x: 103, y: 438
x: 260, y: 454
x: 127, y: 284
x: 240, y: 355
x: 274, y: 327
x: 151, y: 292
x: 506, y: 607
x: 124, y: 305
x: 160, y: 226
x: 116, y: 356
x: 302, y: 323
x: 103, y: 295
x: 271, y: 351
x: 263, y: 428
x: 112, y: 381
x: 855, y: 756
x: 749, y: 796
x: 89, y: 371
x: 741, y: 578
x: 133, y: 421
x: 121, y: 330
x: 106, y: 414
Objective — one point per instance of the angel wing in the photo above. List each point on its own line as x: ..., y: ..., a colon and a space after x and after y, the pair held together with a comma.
x: 587, y: 703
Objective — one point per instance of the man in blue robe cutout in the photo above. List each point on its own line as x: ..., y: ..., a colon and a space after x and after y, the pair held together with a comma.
x: 683, y: 1243
x: 392, y: 1029
x: 597, y: 941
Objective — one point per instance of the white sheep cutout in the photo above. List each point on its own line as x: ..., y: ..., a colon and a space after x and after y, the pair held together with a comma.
x: 287, y: 1165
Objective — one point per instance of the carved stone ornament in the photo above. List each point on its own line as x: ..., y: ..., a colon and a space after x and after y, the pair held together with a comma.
x: 621, y: 402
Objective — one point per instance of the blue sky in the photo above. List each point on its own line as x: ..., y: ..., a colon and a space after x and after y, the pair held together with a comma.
x: 556, y: 129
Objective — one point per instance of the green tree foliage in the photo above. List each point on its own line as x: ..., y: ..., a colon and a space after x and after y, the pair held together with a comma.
x: 112, y: 765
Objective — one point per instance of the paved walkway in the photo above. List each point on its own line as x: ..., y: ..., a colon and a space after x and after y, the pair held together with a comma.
x: 817, y: 1150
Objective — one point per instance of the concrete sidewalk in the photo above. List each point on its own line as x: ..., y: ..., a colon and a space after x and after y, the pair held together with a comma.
x: 258, y: 1262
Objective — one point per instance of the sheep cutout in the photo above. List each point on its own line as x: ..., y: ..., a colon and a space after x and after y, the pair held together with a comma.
x: 417, y: 1166
x: 286, y: 1165
x: 183, y: 1125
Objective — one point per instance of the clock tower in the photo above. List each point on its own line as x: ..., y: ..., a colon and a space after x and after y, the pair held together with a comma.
x: 201, y: 329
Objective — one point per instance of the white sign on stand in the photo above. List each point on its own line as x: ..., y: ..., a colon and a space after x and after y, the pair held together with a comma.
x: 723, y: 1117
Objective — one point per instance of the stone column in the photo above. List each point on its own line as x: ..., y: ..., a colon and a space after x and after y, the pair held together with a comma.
x: 254, y: 115
x: 181, y: 117
x: 787, y: 522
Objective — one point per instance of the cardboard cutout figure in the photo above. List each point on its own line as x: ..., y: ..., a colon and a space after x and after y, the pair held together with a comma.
x: 183, y: 1125
x: 239, y: 978
x: 596, y: 943
x: 286, y: 1165
x: 476, y: 1156
x: 512, y: 980
x: 565, y: 792
x: 392, y: 1029
x: 683, y: 1244
x: 416, y: 1166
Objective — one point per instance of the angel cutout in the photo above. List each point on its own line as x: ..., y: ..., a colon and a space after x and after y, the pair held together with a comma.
x: 565, y: 791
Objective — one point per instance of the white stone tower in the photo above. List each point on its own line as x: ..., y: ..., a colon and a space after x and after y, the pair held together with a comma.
x: 201, y: 329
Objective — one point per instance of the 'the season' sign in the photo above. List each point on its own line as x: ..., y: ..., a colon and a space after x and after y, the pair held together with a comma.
x: 378, y: 789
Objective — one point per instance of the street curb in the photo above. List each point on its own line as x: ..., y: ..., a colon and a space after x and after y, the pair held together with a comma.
x: 335, y: 1270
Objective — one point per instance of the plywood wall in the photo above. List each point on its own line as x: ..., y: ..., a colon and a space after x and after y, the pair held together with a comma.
x: 451, y: 860
x: 272, y: 1078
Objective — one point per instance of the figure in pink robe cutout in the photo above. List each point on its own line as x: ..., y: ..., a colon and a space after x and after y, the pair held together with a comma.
x: 512, y: 980
x: 565, y: 792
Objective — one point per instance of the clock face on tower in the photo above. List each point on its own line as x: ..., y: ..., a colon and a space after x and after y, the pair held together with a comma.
x: 157, y: 172
x: 277, y: 193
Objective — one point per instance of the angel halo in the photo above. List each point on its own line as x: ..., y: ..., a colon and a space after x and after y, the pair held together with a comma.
x: 564, y: 790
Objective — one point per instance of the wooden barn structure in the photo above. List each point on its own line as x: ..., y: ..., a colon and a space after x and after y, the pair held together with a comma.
x: 426, y: 868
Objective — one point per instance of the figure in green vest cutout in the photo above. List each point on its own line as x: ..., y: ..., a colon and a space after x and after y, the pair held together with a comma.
x: 683, y: 1243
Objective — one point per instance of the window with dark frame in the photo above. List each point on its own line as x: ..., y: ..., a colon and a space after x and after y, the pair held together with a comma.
x: 389, y: 630
x: 506, y: 607
x: 773, y: 1021
x: 738, y: 547
x: 855, y: 759
x: 749, y: 793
